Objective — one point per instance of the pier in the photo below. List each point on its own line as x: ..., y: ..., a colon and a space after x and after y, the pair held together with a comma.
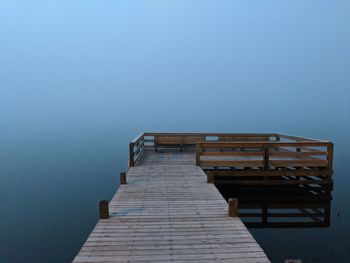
x: 168, y: 209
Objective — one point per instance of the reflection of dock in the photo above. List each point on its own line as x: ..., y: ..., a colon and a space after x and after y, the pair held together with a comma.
x: 284, y: 207
x: 170, y: 210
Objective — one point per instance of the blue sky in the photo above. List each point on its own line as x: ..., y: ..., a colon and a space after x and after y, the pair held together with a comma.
x: 153, y: 65
x: 80, y: 79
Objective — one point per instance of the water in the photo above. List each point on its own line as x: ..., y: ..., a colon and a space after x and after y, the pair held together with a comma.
x: 302, y: 220
x: 50, y: 191
x: 49, y: 195
x: 80, y: 79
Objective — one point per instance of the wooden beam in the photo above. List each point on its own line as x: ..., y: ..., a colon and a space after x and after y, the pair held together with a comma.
x: 233, y: 207
x: 123, y: 178
x: 131, y: 155
x: 104, y: 209
x: 330, y: 149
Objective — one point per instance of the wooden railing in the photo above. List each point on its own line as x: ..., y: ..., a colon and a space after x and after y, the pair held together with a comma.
x: 295, y: 138
x: 300, y: 161
x: 179, y: 140
x: 136, y: 147
x: 265, y: 155
x: 258, y: 154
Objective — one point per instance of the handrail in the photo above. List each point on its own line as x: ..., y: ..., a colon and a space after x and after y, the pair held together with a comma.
x: 219, y: 152
x: 139, y: 137
x: 298, y: 138
x: 137, y: 145
x: 303, y: 146
x: 134, y: 154
x: 209, y: 134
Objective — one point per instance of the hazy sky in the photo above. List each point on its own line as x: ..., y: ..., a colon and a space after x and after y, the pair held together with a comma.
x: 181, y: 65
x: 80, y: 78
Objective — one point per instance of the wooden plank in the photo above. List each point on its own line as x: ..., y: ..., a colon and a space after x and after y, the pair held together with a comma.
x: 297, y: 154
x: 299, y: 163
x: 237, y: 163
x: 297, y: 138
x: 209, y: 134
x: 219, y: 145
x: 167, y: 212
x: 138, y: 138
x: 230, y: 138
x: 330, y: 149
x: 232, y: 153
x: 270, y: 173
x: 131, y: 155
x: 276, y: 182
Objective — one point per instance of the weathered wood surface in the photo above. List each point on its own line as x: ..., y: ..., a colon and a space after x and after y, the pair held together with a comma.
x: 167, y: 212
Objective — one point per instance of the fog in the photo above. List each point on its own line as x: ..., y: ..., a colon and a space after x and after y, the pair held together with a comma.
x: 173, y: 65
x: 79, y: 79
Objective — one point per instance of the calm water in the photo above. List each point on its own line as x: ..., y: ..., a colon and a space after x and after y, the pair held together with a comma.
x: 80, y: 79
x: 50, y: 189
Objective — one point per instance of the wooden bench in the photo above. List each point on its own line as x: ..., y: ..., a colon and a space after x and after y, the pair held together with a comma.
x: 176, y: 141
x: 230, y: 138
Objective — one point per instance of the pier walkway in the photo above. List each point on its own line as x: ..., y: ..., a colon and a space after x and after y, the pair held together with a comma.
x: 167, y: 212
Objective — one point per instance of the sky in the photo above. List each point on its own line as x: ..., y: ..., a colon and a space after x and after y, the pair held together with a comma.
x: 80, y: 79
x: 172, y: 65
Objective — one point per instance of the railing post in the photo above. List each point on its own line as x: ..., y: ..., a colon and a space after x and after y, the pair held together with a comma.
x: 233, y: 207
x: 155, y: 139
x: 104, y: 209
x: 198, y: 152
x: 123, y: 178
x: 210, y: 178
x: 266, y: 157
x: 131, y: 152
x: 330, y: 149
x: 266, y: 161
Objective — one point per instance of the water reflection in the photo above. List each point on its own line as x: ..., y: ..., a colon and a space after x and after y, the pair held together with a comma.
x: 281, y: 207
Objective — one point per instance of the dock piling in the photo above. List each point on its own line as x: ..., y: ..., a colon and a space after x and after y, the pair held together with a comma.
x: 123, y: 178
x: 210, y: 178
x: 104, y: 209
x: 233, y: 207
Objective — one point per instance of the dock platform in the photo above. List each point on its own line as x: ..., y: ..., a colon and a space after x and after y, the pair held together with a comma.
x: 168, y: 212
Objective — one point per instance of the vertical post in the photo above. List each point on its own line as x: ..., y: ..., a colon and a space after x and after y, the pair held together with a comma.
x: 266, y: 157
x: 233, y: 207
x: 155, y: 143
x: 266, y: 161
x: 131, y: 152
x: 198, y: 152
x: 278, y: 139
x: 104, y: 209
x: 210, y: 178
x: 182, y: 144
x: 123, y: 178
x: 330, y: 149
x: 298, y: 150
x: 327, y: 206
x: 264, y: 214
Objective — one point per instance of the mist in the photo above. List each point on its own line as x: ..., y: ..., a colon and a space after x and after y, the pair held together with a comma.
x: 80, y: 79
x: 181, y: 65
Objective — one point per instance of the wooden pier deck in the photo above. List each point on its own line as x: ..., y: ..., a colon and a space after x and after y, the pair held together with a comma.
x: 167, y: 212
x: 170, y: 210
